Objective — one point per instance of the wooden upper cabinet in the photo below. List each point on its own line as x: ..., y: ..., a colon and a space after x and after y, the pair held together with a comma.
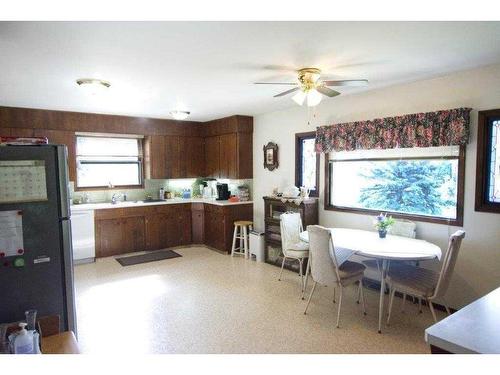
x: 192, y: 157
x: 16, y: 132
x: 172, y: 157
x: 154, y: 154
x: 212, y: 156
x: 228, y: 156
x: 62, y: 137
x: 245, y: 155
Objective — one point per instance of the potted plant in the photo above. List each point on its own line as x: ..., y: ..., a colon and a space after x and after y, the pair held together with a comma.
x: 383, y: 223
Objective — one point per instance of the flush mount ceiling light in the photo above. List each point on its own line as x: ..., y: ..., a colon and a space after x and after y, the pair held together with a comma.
x: 180, y: 115
x: 92, y: 85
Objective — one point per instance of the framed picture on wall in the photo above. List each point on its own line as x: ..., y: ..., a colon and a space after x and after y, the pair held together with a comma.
x: 271, y: 156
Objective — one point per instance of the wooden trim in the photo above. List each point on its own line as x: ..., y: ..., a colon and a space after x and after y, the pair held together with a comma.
x: 436, y: 220
x: 483, y: 161
x: 298, y: 169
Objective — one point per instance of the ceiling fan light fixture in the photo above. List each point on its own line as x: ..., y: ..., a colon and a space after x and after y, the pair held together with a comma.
x: 299, y: 97
x: 313, y: 98
x: 179, y: 115
x: 92, y: 85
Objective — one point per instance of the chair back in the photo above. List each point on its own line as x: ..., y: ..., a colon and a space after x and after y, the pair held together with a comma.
x: 324, y: 268
x: 449, y: 261
x: 403, y: 228
x: 290, y: 226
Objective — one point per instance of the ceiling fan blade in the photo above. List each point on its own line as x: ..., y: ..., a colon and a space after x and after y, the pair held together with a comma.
x: 347, y: 82
x: 326, y: 91
x: 287, y: 92
x: 275, y: 83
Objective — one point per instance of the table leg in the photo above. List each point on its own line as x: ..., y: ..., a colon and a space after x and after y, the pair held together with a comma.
x: 385, y: 264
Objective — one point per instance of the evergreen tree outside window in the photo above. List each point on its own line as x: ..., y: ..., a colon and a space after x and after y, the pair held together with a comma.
x: 415, y: 183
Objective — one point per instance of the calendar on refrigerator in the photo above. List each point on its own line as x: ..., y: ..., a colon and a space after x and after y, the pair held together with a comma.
x: 22, y: 181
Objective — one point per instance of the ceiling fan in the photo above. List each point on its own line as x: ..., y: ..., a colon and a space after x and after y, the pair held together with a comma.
x: 311, y: 89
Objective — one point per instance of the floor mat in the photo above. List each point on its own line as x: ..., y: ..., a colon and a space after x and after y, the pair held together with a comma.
x: 149, y: 257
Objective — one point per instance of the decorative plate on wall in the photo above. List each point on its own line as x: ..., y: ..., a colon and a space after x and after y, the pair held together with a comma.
x: 271, y: 156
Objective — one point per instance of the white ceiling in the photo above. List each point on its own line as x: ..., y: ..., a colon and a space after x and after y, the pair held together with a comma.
x: 208, y: 67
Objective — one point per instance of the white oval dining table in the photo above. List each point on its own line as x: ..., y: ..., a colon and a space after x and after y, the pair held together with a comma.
x: 368, y: 244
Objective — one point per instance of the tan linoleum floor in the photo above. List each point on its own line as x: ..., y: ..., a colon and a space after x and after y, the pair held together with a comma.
x: 206, y: 302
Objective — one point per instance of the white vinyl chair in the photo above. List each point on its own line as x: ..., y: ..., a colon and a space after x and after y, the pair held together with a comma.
x: 425, y: 283
x: 325, y: 269
x: 292, y: 246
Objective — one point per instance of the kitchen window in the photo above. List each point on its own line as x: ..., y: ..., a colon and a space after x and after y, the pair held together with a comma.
x: 488, y: 162
x: 104, y: 161
x: 306, y: 162
x: 424, y: 184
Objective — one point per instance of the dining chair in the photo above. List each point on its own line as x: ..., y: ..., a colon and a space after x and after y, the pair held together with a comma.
x: 292, y: 246
x: 325, y: 269
x: 424, y: 283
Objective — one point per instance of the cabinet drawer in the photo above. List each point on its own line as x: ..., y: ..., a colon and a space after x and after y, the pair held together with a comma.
x: 218, y: 210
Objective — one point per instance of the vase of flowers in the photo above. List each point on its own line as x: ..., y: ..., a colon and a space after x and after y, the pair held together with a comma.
x: 383, y: 223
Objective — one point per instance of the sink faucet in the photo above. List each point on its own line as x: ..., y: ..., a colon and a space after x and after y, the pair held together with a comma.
x: 115, y: 197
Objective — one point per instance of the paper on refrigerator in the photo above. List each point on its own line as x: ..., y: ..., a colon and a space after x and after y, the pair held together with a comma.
x: 11, y: 233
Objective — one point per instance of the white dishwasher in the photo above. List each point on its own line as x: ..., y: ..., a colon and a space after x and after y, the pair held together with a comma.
x: 83, y: 236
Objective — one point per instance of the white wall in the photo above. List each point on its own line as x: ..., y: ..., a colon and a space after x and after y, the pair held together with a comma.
x: 478, y: 268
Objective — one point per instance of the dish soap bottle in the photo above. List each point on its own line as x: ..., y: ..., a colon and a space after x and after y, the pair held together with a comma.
x: 23, y: 342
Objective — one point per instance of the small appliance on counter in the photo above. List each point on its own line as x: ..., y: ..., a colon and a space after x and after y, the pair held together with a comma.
x: 223, y: 192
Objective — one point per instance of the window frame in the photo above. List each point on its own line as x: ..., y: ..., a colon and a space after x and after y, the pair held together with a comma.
x: 483, y: 161
x: 458, y: 221
x: 140, y: 143
x: 299, y: 137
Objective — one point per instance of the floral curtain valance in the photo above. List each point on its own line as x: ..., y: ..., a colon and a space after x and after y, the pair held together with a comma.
x: 430, y: 129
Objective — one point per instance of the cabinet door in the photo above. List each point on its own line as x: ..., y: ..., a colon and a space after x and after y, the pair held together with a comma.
x: 172, y: 157
x: 133, y: 229
x: 156, y: 233
x: 212, y: 156
x: 16, y: 132
x: 155, y: 157
x: 228, y: 156
x: 197, y: 225
x: 108, y: 237
x: 185, y: 229
x: 62, y: 137
x: 214, y: 230
x: 192, y: 155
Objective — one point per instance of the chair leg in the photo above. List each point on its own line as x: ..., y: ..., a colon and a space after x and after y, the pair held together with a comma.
x: 419, y: 305
x: 310, y: 295
x: 362, y: 293
x: 334, y: 291
x: 245, y: 242
x: 432, y: 310
x: 393, y: 292
x: 340, y: 305
x: 359, y: 292
x: 446, y: 307
x: 403, y: 303
x: 301, y: 275
x: 234, y: 240
x: 282, y: 265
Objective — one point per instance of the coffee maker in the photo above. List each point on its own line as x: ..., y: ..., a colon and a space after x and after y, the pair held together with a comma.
x: 223, y: 193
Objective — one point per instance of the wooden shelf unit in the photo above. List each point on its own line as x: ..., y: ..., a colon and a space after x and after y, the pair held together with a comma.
x: 273, y: 207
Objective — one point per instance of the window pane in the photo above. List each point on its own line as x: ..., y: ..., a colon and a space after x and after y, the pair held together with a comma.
x: 494, y: 177
x: 104, y: 146
x: 102, y: 174
x: 308, y: 167
x: 422, y: 187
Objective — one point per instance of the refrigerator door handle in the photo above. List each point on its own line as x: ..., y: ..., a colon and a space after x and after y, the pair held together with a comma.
x: 68, y: 274
x: 62, y: 166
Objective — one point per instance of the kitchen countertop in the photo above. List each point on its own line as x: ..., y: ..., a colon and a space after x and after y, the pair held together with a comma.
x: 120, y: 204
x: 473, y: 329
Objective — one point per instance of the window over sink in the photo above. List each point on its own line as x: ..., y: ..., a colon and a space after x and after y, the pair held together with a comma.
x: 108, y: 160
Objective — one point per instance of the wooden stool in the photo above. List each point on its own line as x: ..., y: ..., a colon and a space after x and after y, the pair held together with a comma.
x: 241, y: 232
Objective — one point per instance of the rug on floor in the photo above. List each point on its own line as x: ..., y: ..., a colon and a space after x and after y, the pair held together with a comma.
x: 148, y: 257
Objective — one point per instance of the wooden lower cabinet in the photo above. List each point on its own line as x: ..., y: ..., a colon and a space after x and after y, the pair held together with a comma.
x: 119, y: 236
x: 125, y: 230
